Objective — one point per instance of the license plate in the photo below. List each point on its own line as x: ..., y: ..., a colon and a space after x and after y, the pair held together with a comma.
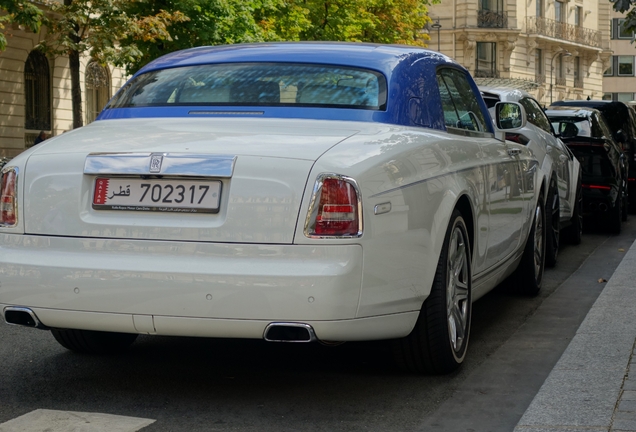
x: 164, y: 195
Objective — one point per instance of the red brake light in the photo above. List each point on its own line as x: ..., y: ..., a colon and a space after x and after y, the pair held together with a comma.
x: 8, y: 215
x: 335, y: 208
x: 591, y: 186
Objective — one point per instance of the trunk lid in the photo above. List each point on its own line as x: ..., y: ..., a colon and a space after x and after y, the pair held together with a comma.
x: 260, y: 191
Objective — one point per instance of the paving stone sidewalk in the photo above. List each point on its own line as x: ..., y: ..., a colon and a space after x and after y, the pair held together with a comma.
x: 593, y: 385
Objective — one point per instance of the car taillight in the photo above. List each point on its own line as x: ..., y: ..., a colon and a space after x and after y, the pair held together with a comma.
x: 593, y: 186
x: 8, y: 214
x: 518, y: 138
x: 335, y: 208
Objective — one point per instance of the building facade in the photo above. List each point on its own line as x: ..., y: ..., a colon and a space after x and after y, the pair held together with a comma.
x: 554, y: 49
x: 35, y: 91
x: 619, y: 81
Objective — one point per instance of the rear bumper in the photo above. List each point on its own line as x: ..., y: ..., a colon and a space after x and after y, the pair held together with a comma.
x: 188, y: 288
x: 360, y: 329
x: 597, y: 202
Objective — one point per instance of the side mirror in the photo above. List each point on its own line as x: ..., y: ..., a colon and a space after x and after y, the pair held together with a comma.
x: 510, y: 116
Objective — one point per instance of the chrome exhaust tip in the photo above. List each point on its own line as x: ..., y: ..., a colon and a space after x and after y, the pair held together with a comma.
x: 21, y: 316
x: 289, y: 332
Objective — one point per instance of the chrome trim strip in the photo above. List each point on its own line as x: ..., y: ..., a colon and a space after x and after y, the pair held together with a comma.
x: 310, y: 330
x: 315, y: 199
x: 174, y: 164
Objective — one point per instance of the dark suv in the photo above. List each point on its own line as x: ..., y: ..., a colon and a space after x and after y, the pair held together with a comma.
x: 585, y: 132
x: 621, y: 119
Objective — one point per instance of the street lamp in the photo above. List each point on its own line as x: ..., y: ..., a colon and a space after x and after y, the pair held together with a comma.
x: 564, y: 53
x: 437, y: 25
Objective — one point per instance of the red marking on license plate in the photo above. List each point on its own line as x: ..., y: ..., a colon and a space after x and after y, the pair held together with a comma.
x: 101, y: 191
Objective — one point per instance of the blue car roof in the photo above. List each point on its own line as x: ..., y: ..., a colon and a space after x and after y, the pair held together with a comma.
x: 383, y: 58
x: 413, y: 96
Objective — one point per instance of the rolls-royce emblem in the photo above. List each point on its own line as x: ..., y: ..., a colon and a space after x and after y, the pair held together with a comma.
x: 155, y: 163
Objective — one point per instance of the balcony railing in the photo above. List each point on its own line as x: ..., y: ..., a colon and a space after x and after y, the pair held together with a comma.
x: 578, y: 83
x: 560, y: 30
x: 539, y: 78
x: 559, y: 81
x: 486, y: 73
x: 492, y: 19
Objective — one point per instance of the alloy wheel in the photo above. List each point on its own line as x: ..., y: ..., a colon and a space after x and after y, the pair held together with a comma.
x: 457, y: 298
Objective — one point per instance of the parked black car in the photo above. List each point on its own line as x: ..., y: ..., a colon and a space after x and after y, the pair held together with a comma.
x: 603, y: 165
x: 621, y: 119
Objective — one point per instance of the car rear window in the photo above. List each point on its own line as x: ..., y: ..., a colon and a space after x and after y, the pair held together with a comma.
x: 261, y: 84
x: 594, y: 160
x: 576, y: 126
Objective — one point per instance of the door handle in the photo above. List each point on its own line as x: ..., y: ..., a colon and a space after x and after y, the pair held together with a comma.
x: 514, y: 151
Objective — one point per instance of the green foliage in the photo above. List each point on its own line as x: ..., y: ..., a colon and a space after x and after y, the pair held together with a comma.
x: 99, y: 26
x: 20, y: 12
x: 131, y: 33
x: 378, y: 21
x: 209, y: 22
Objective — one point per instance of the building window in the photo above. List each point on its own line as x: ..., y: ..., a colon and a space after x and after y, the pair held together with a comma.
x: 622, y: 32
x: 618, y: 30
x: 625, y: 65
x: 559, y: 9
x: 578, y: 16
x: 610, y: 70
x: 560, y: 30
x: 578, y: 80
x: 539, y: 8
x: 624, y: 97
x: 491, y: 5
x: 37, y: 92
x: 97, y: 90
x: 559, y: 72
x: 538, y: 67
x: 486, y: 66
x: 607, y: 96
x: 491, y: 14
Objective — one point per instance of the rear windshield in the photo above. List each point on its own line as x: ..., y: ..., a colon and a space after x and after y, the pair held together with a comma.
x: 261, y: 84
x: 575, y: 126
x: 594, y: 161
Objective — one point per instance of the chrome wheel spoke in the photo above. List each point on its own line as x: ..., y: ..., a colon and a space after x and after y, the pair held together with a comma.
x: 457, y: 294
x: 538, y: 242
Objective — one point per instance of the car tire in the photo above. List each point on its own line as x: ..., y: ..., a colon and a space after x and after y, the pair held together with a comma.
x: 528, y: 276
x: 93, y: 342
x: 615, y: 216
x: 439, y: 340
x: 553, y: 225
x: 575, y: 230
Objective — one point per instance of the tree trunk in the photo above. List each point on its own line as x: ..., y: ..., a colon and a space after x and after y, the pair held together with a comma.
x: 76, y: 91
x: 74, y: 65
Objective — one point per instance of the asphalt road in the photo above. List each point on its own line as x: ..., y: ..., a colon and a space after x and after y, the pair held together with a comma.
x: 234, y: 385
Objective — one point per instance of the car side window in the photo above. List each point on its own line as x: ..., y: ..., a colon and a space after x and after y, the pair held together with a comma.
x: 459, y: 103
x: 536, y: 116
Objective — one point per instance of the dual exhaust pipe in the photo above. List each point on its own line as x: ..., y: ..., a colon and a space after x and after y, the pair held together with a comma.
x: 274, y: 332
x: 598, y: 206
